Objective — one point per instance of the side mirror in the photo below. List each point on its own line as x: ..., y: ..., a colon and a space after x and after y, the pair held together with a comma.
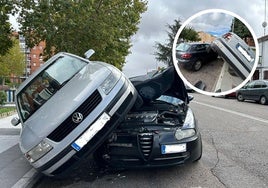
x: 15, y: 121
x: 89, y: 53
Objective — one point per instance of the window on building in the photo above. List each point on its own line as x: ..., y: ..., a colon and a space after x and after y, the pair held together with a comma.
x: 265, y: 75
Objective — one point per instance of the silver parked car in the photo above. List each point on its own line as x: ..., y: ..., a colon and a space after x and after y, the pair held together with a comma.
x: 68, y: 108
x: 235, y: 52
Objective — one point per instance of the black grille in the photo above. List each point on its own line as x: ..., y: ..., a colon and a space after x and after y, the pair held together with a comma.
x: 68, y: 125
x: 146, y: 144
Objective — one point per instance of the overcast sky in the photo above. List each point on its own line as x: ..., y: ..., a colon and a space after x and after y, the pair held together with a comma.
x: 153, y: 26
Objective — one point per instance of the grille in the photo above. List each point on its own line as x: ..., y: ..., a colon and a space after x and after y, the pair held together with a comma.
x: 146, y: 144
x: 68, y: 125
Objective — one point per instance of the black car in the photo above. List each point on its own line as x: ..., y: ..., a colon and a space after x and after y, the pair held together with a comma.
x: 235, y: 52
x: 162, y: 132
x: 194, y: 55
x: 256, y: 90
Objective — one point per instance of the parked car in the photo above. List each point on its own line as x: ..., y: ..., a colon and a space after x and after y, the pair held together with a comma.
x: 194, y: 55
x: 256, y: 90
x: 235, y: 52
x: 68, y: 108
x: 163, y: 132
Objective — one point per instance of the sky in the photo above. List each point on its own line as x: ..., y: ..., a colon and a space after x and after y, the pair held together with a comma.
x: 160, y: 13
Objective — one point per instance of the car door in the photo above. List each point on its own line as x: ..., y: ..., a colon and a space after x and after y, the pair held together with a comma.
x: 247, y: 90
x: 256, y: 91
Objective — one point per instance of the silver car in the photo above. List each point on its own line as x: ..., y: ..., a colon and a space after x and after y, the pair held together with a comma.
x: 68, y: 108
x: 235, y: 52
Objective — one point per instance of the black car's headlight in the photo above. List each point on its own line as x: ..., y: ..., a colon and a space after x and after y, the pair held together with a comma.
x: 188, y: 128
x: 38, y: 151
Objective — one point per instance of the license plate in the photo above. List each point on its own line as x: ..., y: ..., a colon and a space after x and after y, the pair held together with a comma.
x: 174, y: 148
x: 91, y: 132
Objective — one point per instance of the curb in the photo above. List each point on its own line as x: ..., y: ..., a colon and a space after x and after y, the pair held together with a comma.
x: 28, y: 180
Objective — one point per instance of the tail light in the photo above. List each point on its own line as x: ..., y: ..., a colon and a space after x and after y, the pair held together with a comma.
x: 186, y: 56
x: 227, y: 36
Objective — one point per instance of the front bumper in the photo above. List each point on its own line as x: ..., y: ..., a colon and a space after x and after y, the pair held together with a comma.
x: 129, y: 151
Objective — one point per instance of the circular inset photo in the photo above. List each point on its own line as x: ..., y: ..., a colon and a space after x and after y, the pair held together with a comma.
x: 215, y: 52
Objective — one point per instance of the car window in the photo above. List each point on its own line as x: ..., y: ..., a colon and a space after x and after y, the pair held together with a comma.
x: 200, y: 47
x: 183, y: 47
x: 250, y: 85
x: 47, y: 83
x: 258, y: 84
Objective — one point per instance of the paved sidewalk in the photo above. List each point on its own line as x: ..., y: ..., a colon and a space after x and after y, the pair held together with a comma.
x: 15, y: 171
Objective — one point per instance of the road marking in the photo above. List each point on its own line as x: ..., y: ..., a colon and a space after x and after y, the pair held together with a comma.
x: 233, y: 112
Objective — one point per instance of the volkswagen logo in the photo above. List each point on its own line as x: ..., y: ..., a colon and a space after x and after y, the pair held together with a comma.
x: 77, y: 117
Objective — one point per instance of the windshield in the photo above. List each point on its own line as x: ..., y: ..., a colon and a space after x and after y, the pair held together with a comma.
x: 47, y: 83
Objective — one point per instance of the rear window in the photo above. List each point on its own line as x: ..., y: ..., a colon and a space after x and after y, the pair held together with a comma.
x: 47, y: 83
x: 183, y: 47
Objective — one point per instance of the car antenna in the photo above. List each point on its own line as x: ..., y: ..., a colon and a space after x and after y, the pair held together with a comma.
x: 89, y: 53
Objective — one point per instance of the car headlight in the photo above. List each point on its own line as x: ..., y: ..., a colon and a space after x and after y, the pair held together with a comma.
x: 110, y: 82
x: 188, y: 128
x: 38, y: 151
x: 184, y: 133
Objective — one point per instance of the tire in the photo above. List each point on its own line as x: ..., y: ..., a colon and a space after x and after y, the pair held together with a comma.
x: 197, y: 65
x: 263, y: 100
x: 240, y: 97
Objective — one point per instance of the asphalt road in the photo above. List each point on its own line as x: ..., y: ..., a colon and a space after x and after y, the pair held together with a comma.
x: 235, y: 154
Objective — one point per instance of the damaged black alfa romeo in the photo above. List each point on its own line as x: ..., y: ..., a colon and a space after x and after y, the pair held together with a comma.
x: 162, y: 132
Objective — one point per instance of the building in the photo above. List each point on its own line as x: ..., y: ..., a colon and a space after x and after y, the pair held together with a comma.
x: 33, y: 57
x: 262, y: 68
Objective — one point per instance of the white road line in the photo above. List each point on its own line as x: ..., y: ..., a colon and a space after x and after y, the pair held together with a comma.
x: 233, y: 112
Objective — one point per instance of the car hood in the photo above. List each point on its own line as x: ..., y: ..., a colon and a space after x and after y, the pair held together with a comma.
x: 62, y: 103
x: 166, y: 82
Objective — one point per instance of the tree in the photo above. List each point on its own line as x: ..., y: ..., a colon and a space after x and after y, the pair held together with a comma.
x: 164, y: 51
x: 3, y: 97
x: 6, y: 8
x: 12, y: 62
x: 76, y: 26
x: 240, y: 29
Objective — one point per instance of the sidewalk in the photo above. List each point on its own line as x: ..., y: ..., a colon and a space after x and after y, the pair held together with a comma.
x: 15, y: 171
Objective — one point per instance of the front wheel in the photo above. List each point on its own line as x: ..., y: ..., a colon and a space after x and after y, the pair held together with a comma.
x: 263, y: 100
x: 240, y: 97
x: 197, y: 65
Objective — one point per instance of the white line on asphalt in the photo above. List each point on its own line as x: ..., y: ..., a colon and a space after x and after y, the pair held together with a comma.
x: 232, y: 112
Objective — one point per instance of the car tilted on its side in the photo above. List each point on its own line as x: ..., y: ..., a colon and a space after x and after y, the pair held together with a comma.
x: 67, y: 109
x: 72, y: 108
x: 235, y: 52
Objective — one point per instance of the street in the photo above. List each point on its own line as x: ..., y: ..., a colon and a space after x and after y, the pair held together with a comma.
x: 234, y: 153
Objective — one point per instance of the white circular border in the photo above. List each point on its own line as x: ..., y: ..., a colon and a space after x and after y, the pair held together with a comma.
x: 206, y: 12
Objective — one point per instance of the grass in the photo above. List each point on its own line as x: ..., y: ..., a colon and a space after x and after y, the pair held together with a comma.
x: 4, y: 110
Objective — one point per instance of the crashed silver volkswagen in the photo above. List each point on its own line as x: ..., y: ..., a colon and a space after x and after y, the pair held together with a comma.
x: 67, y: 109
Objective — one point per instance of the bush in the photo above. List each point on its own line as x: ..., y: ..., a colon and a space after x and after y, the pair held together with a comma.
x: 3, y: 97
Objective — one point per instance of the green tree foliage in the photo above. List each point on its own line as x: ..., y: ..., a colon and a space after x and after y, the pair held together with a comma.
x: 164, y: 51
x: 76, y: 26
x: 12, y: 62
x: 6, y: 7
x: 3, y: 97
x: 240, y: 29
